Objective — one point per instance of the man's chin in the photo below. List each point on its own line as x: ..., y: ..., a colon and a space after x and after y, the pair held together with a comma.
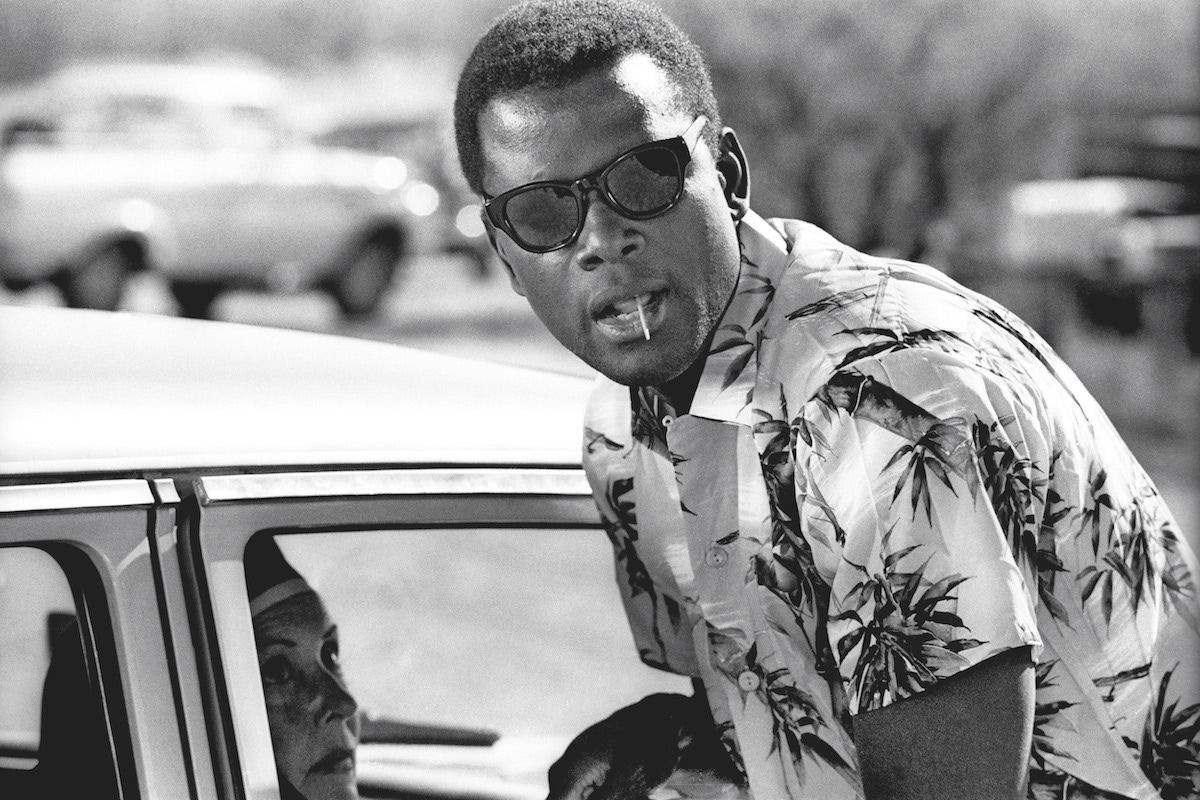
x: 641, y: 369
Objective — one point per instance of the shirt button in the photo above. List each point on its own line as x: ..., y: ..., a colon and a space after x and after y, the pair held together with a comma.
x: 748, y: 681
x: 716, y: 556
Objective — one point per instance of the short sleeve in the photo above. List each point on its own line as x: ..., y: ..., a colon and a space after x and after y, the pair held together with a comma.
x: 918, y: 489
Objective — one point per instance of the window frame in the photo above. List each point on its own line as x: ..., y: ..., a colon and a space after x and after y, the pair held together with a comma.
x: 116, y: 585
x: 227, y: 510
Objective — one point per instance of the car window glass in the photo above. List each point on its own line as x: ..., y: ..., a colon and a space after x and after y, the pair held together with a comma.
x: 128, y: 120
x: 250, y: 126
x: 35, y: 606
x: 53, y: 735
x: 454, y: 636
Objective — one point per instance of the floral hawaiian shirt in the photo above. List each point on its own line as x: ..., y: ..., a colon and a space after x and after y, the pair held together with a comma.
x: 883, y: 479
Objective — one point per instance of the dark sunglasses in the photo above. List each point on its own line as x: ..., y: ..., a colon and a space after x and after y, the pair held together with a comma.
x: 641, y: 183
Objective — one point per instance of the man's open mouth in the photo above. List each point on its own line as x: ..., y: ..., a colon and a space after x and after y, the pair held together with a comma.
x: 631, y: 317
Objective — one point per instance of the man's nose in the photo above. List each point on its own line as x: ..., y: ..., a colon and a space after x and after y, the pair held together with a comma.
x: 606, y: 236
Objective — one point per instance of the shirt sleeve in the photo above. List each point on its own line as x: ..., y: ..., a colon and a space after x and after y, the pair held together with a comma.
x: 918, y: 485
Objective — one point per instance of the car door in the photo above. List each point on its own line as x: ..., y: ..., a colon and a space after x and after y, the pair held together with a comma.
x: 480, y: 627
x: 94, y: 628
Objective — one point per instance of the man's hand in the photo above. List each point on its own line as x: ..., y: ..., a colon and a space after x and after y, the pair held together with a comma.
x: 627, y: 755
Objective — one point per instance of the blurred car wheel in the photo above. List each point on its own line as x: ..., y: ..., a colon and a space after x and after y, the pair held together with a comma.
x: 195, y: 299
x: 100, y: 280
x: 367, y: 274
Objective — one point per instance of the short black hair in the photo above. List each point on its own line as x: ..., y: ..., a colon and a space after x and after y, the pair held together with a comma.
x: 553, y: 43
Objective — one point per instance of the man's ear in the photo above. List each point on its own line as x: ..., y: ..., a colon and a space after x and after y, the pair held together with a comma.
x: 499, y: 245
x: 735, y: 176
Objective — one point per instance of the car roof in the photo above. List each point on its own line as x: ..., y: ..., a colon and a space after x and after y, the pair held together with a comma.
x: 93, y: 392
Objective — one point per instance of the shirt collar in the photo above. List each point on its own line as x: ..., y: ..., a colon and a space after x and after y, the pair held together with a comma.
x: 731, y: 367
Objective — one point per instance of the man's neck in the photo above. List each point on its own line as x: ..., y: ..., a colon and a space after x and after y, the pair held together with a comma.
x: 680, y: 390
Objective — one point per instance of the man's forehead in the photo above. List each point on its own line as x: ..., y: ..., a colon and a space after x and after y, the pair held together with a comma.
x: 634, y: 91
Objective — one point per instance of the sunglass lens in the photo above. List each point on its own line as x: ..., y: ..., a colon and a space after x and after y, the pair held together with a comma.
x: 543, y: 216
x: 647, y: 181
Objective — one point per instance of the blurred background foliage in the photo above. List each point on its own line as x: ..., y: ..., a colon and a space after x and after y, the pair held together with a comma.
x: 896, y: 125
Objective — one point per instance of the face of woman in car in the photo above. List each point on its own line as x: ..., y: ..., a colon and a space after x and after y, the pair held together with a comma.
x: 313, y: 717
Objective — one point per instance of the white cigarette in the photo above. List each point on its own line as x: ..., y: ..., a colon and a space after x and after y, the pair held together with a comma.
x: 642, y: 317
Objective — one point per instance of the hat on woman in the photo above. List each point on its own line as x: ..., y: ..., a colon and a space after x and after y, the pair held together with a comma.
x: 270, y: 579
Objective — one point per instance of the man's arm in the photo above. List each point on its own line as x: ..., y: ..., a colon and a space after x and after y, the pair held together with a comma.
x: 968, y: 737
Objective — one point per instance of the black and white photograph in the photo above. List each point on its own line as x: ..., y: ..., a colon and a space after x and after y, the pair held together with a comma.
x: 600, y: 400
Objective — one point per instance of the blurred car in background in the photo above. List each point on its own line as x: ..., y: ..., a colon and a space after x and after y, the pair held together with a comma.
x: 426, y: 142
x: 195, y: 173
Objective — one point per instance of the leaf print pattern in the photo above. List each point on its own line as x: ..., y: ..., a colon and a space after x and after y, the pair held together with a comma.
x: 890, y: 341
x: 797, y: 721
x: 936, y: 447
x: 907, y: 640
x: 1001, y: 509
x: 1170, y: 746
x: 1012, y: 486
x: 736, y: 340
x: 593, y: 440
x: 928, y: 455
x: 1020, y: 333
x: 790, y: 571
x: 1047, y: 715
x: 1093, y: 519
x: 865, y: 398
x: 1057, y: 511
x: 622, y: 533
x: 833, y: 302
x: 759, y: 284
x: 1130, y: 566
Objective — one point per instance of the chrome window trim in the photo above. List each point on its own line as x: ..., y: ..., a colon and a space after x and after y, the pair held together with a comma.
x: 356, y: 459
x: 360, y: 483
x: 120, y: 596
x: 116, y: 493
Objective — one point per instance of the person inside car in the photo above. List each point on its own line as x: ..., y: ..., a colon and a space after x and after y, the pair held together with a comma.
x: 315, y: 725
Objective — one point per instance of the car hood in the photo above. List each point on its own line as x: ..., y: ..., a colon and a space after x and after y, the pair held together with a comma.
x: 99, y: 392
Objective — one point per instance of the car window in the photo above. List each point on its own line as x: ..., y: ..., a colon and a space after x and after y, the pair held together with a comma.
x: 138, y: 120
x: 504, y: 641
x: 53, y: 734
x: 249, y: 126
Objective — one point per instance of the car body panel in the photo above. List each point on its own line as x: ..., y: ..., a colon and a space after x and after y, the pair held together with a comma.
x: 171, y: 393
x: 147, y: 731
